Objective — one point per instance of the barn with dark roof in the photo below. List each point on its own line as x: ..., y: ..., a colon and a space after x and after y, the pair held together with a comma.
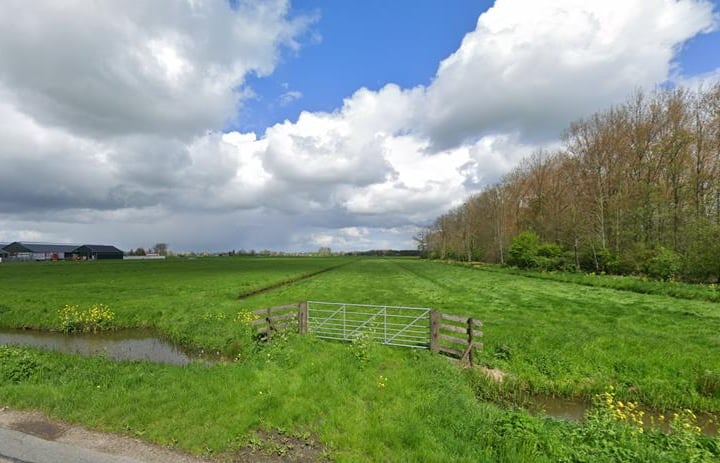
x: 98, y: 251
x: 39, y: 251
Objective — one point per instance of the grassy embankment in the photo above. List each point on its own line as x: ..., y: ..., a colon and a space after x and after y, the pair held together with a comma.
x: 636, y: 284
x: 373, y: 403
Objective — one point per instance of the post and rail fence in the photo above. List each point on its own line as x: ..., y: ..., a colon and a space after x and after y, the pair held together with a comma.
x: 411, y: 327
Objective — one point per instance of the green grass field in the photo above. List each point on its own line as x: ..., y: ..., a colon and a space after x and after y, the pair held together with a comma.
x: 636, y: 284
x: 550, y: 337
x: 179, y: 297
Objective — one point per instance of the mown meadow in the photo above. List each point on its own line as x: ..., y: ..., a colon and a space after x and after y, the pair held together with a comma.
x: 369, y: 402
x: 178, y: 296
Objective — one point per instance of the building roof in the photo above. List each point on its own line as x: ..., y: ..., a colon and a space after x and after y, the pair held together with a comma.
x: 98, y: 248
x: 19, y: 246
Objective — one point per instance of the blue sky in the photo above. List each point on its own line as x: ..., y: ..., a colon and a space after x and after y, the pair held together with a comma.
x: 371, y: 43
x: 357, y: 44
x: 701, y: 54
x: 299, y: 124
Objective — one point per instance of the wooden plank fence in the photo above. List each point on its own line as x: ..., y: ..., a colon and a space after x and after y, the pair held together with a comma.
x: 451, y: 335
x: 455, y: 336
x: 275, y: 319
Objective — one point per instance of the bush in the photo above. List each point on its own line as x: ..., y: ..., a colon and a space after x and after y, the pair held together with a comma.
x: 527, y: 251
x: 549, y: 257
x: 664, y: 264
x: 524, y: 250
x: 600, y: 260
x: 702, y: 259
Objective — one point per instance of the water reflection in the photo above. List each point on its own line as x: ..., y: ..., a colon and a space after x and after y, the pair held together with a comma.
x: 117, y: 345
x: 575, y: 410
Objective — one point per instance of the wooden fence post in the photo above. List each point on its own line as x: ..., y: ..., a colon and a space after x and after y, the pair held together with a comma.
x: 269, y: 324
x: 434, y: 331
x: 470, y: 340
x: 302, y: 317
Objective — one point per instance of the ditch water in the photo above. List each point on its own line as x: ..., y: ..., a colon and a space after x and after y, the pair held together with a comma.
x: 117, y: 345
x: 575, y: 410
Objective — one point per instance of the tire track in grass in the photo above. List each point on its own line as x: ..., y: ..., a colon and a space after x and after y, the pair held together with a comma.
x: 291, y: 281
x: 429, y: 279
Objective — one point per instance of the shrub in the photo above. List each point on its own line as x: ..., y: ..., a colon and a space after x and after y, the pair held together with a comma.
x: 664, y: 264
x: 702, y: 258
x: 600, y: 260
x: 549, y: 257
x: 527, y: 251
x: 524, y: 250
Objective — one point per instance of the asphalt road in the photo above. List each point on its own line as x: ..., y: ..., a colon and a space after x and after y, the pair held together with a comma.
x: 18, y: 447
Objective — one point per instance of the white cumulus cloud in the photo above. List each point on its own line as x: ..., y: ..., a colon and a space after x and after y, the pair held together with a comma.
x: 534, y: 66
x: 113, y: 111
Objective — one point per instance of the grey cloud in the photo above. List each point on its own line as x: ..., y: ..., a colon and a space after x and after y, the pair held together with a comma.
x: 115, y: 105
x: 150, y: 161
x: 28, y: 195
x: 162, y: 67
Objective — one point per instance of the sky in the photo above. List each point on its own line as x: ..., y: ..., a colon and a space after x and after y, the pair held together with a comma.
x: 216, y: 125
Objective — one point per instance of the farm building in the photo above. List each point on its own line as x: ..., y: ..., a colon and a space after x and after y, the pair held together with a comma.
x: 38, y: 251
x: 98, y: 251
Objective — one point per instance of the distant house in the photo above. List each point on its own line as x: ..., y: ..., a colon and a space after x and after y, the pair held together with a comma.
x: 38, y: 251
x: 98, y: 251
x: 3, y: 253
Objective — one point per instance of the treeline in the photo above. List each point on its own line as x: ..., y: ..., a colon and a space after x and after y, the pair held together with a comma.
x: 386, y: 253
x: 159, y: 249
x: 634, y: 189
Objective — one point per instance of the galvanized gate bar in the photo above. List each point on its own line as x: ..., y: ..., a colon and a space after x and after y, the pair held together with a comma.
x: 369, y: 305
x: 408, y: 326
x: 331, y: 315
x: 392, y: 325
x: 357, y: 330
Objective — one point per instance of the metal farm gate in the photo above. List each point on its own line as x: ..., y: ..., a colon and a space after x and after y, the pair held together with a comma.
x: 396, y: 326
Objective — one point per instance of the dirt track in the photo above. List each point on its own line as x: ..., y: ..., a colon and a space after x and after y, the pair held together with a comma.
x: 270, y: 447
x: 38, y: 425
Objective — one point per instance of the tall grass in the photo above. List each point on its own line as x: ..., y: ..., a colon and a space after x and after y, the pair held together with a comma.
x: 388, y: 404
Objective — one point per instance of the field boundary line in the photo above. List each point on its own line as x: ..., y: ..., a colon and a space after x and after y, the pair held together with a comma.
x: 290, y: 281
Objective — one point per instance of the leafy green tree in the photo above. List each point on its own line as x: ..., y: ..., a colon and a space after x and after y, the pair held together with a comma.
x: 161, y: 248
